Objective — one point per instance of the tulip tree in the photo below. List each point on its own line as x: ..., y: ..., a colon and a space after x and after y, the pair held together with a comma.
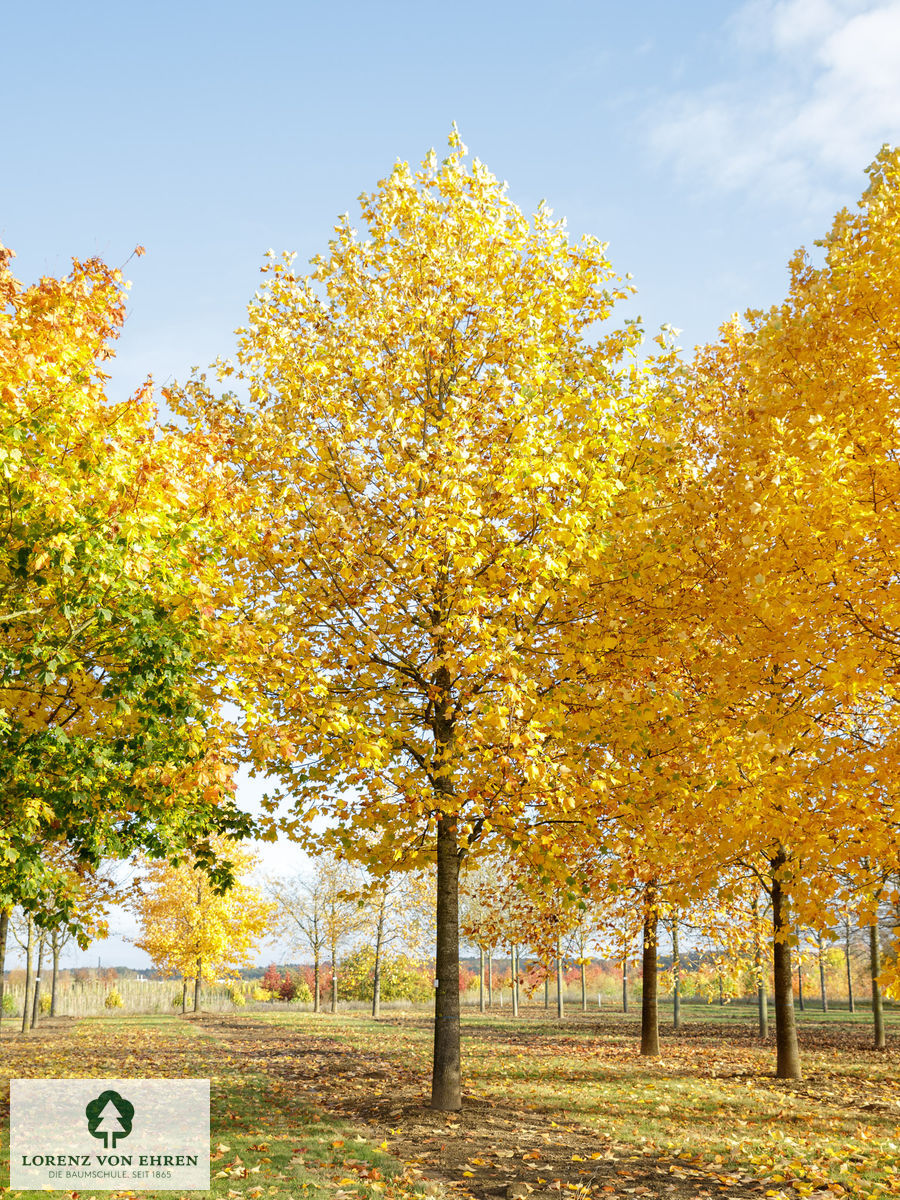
x: 437, y: 429
x: 191, y: 928
x: 798, y: 417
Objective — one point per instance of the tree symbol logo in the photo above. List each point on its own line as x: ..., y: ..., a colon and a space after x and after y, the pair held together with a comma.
x: 109, y: 1116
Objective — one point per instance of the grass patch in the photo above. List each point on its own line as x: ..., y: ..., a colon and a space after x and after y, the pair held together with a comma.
x: 710, y: 1098
x: 550, y: 1106
x: 267, y: 1142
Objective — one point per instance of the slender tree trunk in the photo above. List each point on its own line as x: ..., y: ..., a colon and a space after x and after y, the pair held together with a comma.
x: 850, y: 1005
x: 547, y: 990
x: 875, y: 969
x: 55, y: 977
x: 334, y: 977
x: 446, y: 1094
x: 721, y: 991
x: 4, y: 932
x: 35, y: 1007
x: 481, y: 978
x: 198, y: 981
x: 676, y: 978
x: 317, y: 999
x: 28, y: 949
x: 787, y: 1051
x: 514, y: 981
x: 376, y: 978
x: 560, y: 1003
x: 762, y: 1005
x: 490, y: 979
x: 183, y: 994
x: 800, y: 983
x: 649, y: 1008
x: 624, y: 985
x: 762, y: 1000
x: 583, y: 987
x: 822, y: 974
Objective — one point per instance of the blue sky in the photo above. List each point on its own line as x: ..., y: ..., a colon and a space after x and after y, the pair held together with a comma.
x: 704, y: 140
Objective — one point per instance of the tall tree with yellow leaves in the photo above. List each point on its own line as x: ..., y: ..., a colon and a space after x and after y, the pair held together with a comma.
x: 800, y: 422
x: 433, y: 449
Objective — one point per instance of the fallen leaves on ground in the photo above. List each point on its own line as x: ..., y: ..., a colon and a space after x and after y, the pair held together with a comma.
x: 305, y: 1105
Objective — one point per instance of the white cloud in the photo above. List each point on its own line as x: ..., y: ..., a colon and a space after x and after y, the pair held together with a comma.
x: 816, y: 92
x: 789, y: 24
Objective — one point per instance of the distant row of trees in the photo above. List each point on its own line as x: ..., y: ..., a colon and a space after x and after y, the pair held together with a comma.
x: 387, y: 926
x: 722, y: 943
x: 370, y: 940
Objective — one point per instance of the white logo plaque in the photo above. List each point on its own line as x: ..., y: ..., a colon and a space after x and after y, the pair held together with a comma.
x: 109, y: 1134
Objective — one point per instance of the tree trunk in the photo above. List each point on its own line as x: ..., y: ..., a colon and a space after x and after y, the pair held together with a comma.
x: 490, y: 980
x: 762, y: 1000
x: 583, y: 988
x: 624, y: 985
x: 446, y: 1095
x: 787, y: 1052
x: 875, y: 969
x: 4, y: 931
x: 198, y: 983
x: 676, y: 978
x: 55, y: 946
x: 822, y: 974
x: 334, y: 977
x: 376, y: 978
x: 481, y: 978
x: 800, y: 984
x: 183, y: 994
x: 649, y: 1009
x: 514, y: 980
x: 317, y: 1001
x: 850, y: 1005
x: 35, y: 1007
x: 28, y: 948
x: 721, y: 991
x: 547, y: 990
x: 762, y: 1006
x: 560, y: 1003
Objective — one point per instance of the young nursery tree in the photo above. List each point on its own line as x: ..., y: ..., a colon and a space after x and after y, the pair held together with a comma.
x: 299, y: 919
x: 397, y: 919
x: 191, y: 929
x: 438, y: 428
x: 318, y: 912
x: 800, y: 423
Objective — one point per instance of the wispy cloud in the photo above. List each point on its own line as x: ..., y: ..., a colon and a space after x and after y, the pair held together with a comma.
x: 814, y: 92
